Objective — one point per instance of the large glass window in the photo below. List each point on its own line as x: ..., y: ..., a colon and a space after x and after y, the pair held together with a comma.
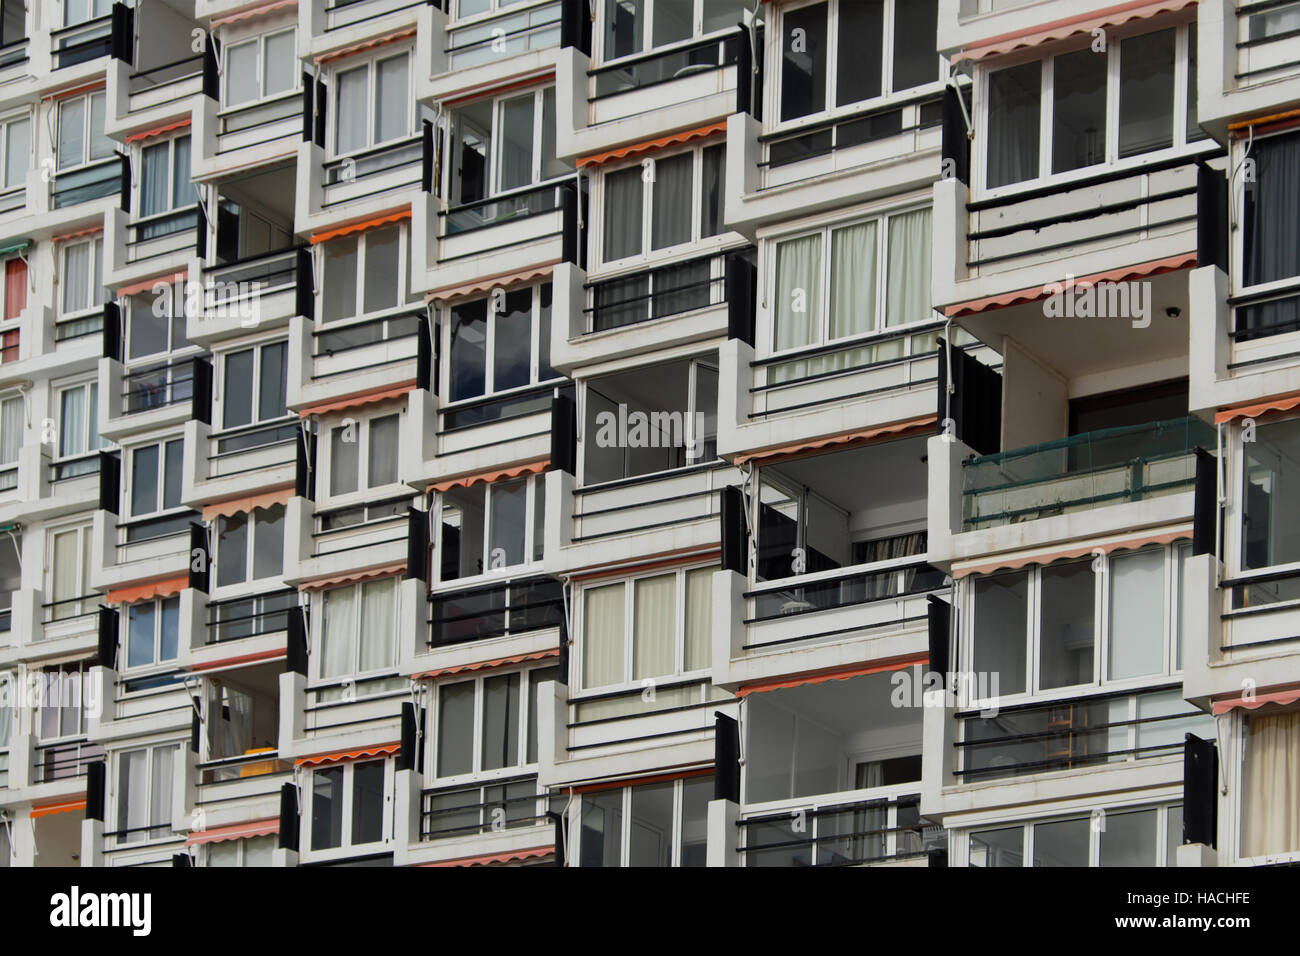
x: 664, y: 203
x: 651, y: 824
x: 1270, y: 814
x: 359, y: 631
x: 488, y: 725
x: 1128, y: 837
x: 1270, y: 239
x: 253, y: 385
x: 373, y: 104
x: 250, y: 546
x: 348, y: 805
x: 260, y: 68
x: 81, y: 137
x: 365, y: 275
x: 637, y: 26
x: 499, y: 343
x: 490, y: 527
x: 364, y: 454
x: 145, y: 779
x: 165, y: 185
x: 503, y: 144
x: 152, y: 632
x: 16, y: 148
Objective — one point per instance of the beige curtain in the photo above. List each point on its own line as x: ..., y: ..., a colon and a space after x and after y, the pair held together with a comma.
x: 909, y: 269
x: 699, y: 618
x: 1271, y: 811
x: 338, y: 628
x: 377, y: 638
x: 654, y: 627
x: 603, y: 635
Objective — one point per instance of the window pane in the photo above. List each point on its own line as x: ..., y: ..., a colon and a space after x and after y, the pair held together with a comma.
x: 1000, y: 621
x: 338, y: 640
x: 144, y: 480
x: 696, y: 794
x: 699, y: 618
x: 998, y: 848
x: 18, y: 152
x: 1062, y: 844
x: 670, y: 224
x: 500, y: 722
x: 655, y: 626
x: 378, y: 612
x: 552, y: 166
x: 512, y: 341
x: 343, y: 460
x: 798, y: 292
x: 468, y: 349
x: 624, y: 27
x: 340, y: 297
x: 160, y: 788
x: 623, y: 214
x: 916, y: 55
x: 1270, y: 815
x: 169, y: 629
x: 148, y: 332
x: 327, y: 808
x: 241, y: 73
x: 1146, y: 93
x: 277, y: 71
x: 603, y: 635
x: 1013, y: 124
x: 602, y: 828
x: 268, y: 542
x: 515, y: 144
x: 271, y: 385
x: 1137, y: 614
x: 1128, y: 839
x: 455, y: 728
x: 153, y: 179
x: 232, y: 549
x: 651, y: 838
x: 853, y: 279
x: 72, y: 422
x: 140, y: 634
x: 184, y: 191
x: 174, y: 456
x: 76, y: 278
x: 392, y: 119
x: 381, y: 269
x: 72, y: 121
x: 507, y: 523
x: 858, y: 58
x: 237, y: 392
x: 722, y: 15
x: 1271, y: 527
x: 1078, y: 110
x: 803, y: 62
x: 674, y: 21
x: 353, y: 110
x: 1173, y: 833
x: 383, y: 451
x: 713, y: 191
x: 367, y: 802
x: 1066, y: 640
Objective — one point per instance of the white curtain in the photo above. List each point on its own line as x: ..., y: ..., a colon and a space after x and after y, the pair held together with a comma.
x: 352, y: 110
x: 1271, y: 815
x: 154, y: 180
x: 101, y: 146
x: 241, y: 73
x: 909, y: 269
x: 623, y: 211
x: 797, y: 309
x: 133, y: 792
x: 603, y: 635
x: 184, y: 192
x: 72, y: 122
x: 654, y: 626
x: 699, y: 618
x: 160, y: 785
x: 66, y: 586
x: 339, y: 626
x: 11, y: 430
x: 72, y: 423
x: 1137, y: 583
x: 17, y: 152
x: 76, y: 278
x: 237, y: 731
x: 383, y: 451
x: 853, y: 280
x: 279, y: 64
x: 392, y: 120
x: 377, y: 615
x: 671, y: 221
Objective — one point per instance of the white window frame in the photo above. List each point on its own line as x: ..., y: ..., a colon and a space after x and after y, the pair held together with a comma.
x: 91, y: 404
x: 371, y: 65
x: 1095, y: 830
x: 536, y: 178
x: 219, y: 409
x: 601, y: 25
x: 625, y: 819
x: 131, y: 841
x: 346, y: 847
x: 95, y: 295
x: 262, y: 96
x: 6, y: 123
x: 325, y: 458
x: 157, y: 659
x: 360, y: 316
x: 250, y: 585
x: 79, y: 732
x: 489, y: 352
x: 87, y: 134
x: 137, y: 185
x: 317, y: 626
x: 83, y: 535
x: 1113, y: 162
x: 478, y: 775
x: 1237, y: 236
x: 128, y: 485
x: 241, y: 854
x: 90, y: 10
x: 534, y: 496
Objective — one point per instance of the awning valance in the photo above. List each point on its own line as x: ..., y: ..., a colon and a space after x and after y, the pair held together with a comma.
x: 838, y: 673
x: 769, y: 456
x: 235, y: 831
x: 1273, y: 700
x: 515, y: 471
x: 488, y: 665
x: 342, y: 756
x: 1078, y: 25
x: 636, y: 149
x: 353, y: 577
x: 1283, y: 403
x: 364, y: 226
x: 235, y: 506
x: 361, y: 398
x: 148, y: 591
x: 480, y: 286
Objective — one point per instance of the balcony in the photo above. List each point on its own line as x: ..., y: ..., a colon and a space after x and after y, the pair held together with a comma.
x: 657, y: 504
x: 372, y: 172
x: 82, y: 42
x: 163, y: 87
x: 86, y: 184
x: 143, y: 549
x: 1247, y: 60
x: 254, y: 615
x: 1082, y: 472
x: 64, y: 760
x: 491, y: 38
x: 339, y: 15
x: 177, y: 235
x: 494, y: 806
x: 352, y: 356
x: 494, y: 610
x: 260, y: 291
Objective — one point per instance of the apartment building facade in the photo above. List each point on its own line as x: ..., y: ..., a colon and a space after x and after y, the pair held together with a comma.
x: 647, y: 433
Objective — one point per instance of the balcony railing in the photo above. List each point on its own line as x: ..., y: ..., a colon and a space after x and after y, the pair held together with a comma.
x: 1081, y: 732
x: 157, y: 386
x: 352, y: 528
x: 65, y: 761
x: 82, y: 42
x: 662, y: 499
x: 494, y: 610
x: 504, y: 207
x: 13, y: 199
x: 656, y: 293
x: 347, y: 346
x: 1258, y: 315
x: 143, y: 81
x: 346, y: 13
x: 1085, y: 471
x: 253, y: 616
x: 505, y: 804
x: 511, y: 33
x: 260, y: 115
x: 258, y: 762
x: 901, y: 578
x: 163, y: 234
x: 856, y: 129
x: 367, y: 169
x: 494, y: 408
x: 8, y: 477
x: 1263, y: 31
x: 70, y: 609
x: 77, y: 467
x: 13, y: 53
x: 87, y: 184
x: 250, y: 448
x: 856, y: 833
x: 663, y: 66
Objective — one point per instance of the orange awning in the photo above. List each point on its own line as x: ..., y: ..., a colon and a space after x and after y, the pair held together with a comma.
x: 673, y: 139
x: 1283, y: 403
x: 456, y: 98
x: 235, y: 506
x: 466, y: 481
x: 1259, y: 125
x: 838, y: 673
x: 146, y: 285
x: 341, y: 756
x: 1145, y: 269
x: 490, y: 858
x: 635, y: 781
x: 363, y: 226
x: 254, y: 11
x: 768, y: 455
x: 80, y: 233
x: 1274, y: 699
x: 271, y: 655
x: 74, y: 90
x: 487, y: 665
x: 504, y: 280
x: 384, y: 571
x: 367, y: 45
x: 235, y: 831
x: 360, y: 398
x: 1047, y: 557
x: 1081, y: 24
x: 145, y: 592
x: 63, y: 806
x: 158, y: 130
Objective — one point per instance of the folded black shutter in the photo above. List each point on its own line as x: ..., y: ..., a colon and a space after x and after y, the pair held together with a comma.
x: 938, y: 618
x: 106, y: 647
x: 1205, y: 512
x: 734, y: 539
x: 288, y: 817
x: 95, y: 778
x: 1200, y: 791
x: 564, y: 434
x: 726, y: 758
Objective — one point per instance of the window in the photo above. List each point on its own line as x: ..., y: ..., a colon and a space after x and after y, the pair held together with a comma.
x: 1270, y: 528
x: 252, y: 851
x: 1270, y: 253
x: 490, y: 527
x: 846, y: 281
x: 250, y: 546
x: 13, y: 29
x: 1270, y: 810
x: 82, y: 279
x: 1127, y: 837
x: 152, y: 632
x: 638, y: 26
x: 15, y: 287
x: 165, y: 185
x: 1040, y: 630
x: 374, y: 104
x: 1101, y: 107
x: 652, y: 824
x: 80, y: 11
x: 487, y: 726
x: 364, y: 454
x: 845, y: 52
x: 359, y: 633
x: 503, y: 144
x: 364, y: 275
x: 662, y: 204
x: 647, y: 627
x: 81, y: 137
x: 79, y: 430
x: 61, y: 713
x: 145, y: 778
x: 11, y: 439
x: 70, y: 590
x: 260, y: 68
x: 156, y: 478
x: 15, y: 141
x: 348, y: 805
x: 155, y: 333
x: 253, y: 387
x: 498, y: 349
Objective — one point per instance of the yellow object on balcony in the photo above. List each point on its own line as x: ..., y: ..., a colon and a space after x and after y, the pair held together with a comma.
x: 261, y: 767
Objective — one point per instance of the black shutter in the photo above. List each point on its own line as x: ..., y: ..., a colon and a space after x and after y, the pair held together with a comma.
x: 194, y: 731
x: 307, y: 112
x: 426, y: 156
x: 744, y: 74
x: 569, y: 216
x: 1205, y: 513
x: 938, y: 618
x: 321, y: 97
x: 112, y: 331
x: 575, y: 26
x: 424, y: 355
x: 201, y: 392
x: 305, y: 470
x: 417, y: 545
x: 1200, y: 791
x: 1211, y: 217
x: 211, y: 52
x: 742, y: 293
x: 106, y: 650
x: 560, y: 847
x: 726, y: 758
x: 937, y: 857
x: 121, y: 33
x: 295, y: 660
x: 562, y: 665
x: 975, y: 403
x: 956, y: 144
x: 304, y: 291
x: 125, y: 186
x: 734, y: 539
x: 200, y: 231
x: 95, y: 778
x: 564, y: 434
x: 199, y: 557
x: 110, y: 481
x: 288, y: 817
x: 406, y: 756
x: 181, y: 859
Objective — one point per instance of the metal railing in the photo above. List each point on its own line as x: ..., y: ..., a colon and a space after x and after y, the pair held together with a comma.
x: 256, y: 763
x: 655, y: 293
x: 157, y: 386
x: 96, y: 181
x: 844, y: 834
x: 494, y: 610
x: 231, y: 619
x: 662, y: 66
x: 855, y: 129
x: 505, y: 804
x: 510, y: 206
x: 65, y: 760
x: 853, y: 587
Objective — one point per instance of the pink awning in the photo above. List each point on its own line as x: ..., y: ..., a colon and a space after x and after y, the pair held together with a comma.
x: 255, y: 11
x: 838, y: 673
x: 235, y: 506
x: 1277, y: 698
x: 498, y: 858
x: 770, y: 455
x: 1018, y: 561
x: 146, y: 285
x: 488, y: 665
x: 342, y: 756
x: 501, y: 281
x: 1283, y: 403
x: 235, y: 831
x: 466, y: 481
x: 360, y: 398
x: 352, y: 577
